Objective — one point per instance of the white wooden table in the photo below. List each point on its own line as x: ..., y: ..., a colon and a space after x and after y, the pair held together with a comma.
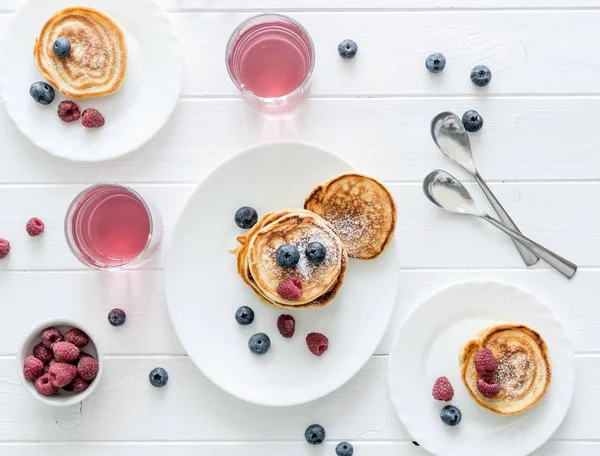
x: 538, y: 149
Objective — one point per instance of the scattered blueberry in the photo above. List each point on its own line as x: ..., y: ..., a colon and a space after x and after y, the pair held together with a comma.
x: 259, y: 344
x: 117, y: 317
x: 435, y: 62
x: 287, y: 256
x: 315, y: 434
x: 42, y: 92
x: 315, y: 252
x: 244, y: 315
x: 158, y: 377
x: 344, y: 449
x: 451, y: 415
x: 347, y: 49
x: 246, y: 217
x: 62, y: 47
x: 481, y: 75
x: 472, y: 121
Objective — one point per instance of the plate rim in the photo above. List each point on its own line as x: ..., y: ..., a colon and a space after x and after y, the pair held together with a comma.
x: 428, y: 297
x: 168, y: 260
x: 171, y: 31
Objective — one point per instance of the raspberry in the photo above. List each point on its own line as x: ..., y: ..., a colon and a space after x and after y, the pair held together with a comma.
x: 45, y: 386
x: 42, y: 353
x: 33, y: 368
x: 286, y: 325
x: 442, y: 390
x: 34, y: 227
x: 487, y: 386
x: 4, y: 248
x: 68, y: 111
x: 49, y: 365
x: 65, y: 352
x: 83, y: 355
x: 485, y: 361
x: 79, y: 384
x: 91, y: 118
x: 87, y: 368
x: 62, y: 374
x: 290, y: 289
x: 50, y: 336
x: 77, y: 337
x: 317, y: 343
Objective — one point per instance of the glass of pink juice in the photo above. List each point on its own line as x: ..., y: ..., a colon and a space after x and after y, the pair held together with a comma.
x: 110, y: 226
x: 270, y: 58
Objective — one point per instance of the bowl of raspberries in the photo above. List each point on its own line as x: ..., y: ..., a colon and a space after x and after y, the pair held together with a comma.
x: 59, y: 363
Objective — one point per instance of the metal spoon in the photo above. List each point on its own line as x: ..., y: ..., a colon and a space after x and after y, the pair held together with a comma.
x: 450, y: 136
x: 445, y: 191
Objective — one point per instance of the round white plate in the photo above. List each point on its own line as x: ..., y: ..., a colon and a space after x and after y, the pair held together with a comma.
x: 427, y: 347
x: 204, y: 289
x: 134, y: 114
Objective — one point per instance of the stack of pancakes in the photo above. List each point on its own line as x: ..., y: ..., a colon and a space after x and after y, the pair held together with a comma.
x: 97, y: 62
x: 352, y: 215
x: 524, y: 369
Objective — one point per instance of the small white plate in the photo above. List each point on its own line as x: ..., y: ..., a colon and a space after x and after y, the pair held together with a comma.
x: 204, y: 289
x: 134, y: 114
x: 427, y: 347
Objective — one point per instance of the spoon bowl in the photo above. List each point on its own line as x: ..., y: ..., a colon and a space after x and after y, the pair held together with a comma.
x: 445, y: 191
x: 450, y: 136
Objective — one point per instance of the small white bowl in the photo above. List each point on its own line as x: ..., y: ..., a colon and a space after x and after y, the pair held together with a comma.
x: 62, y: 398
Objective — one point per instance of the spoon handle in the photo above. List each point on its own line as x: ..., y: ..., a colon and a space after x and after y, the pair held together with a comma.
x: 529, y: 258
x: 565, y: 267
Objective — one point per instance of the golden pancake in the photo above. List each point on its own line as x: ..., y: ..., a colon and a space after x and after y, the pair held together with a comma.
x: 98, y: 60
x: 524, y: 369
x: 313, y: 280
x: 361, y: 210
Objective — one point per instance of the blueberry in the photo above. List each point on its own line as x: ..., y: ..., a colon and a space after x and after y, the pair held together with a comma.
x: 62, y: 47
x: 259, y: 344
x: 246, y: 217
x: 244, y: 315
x: 481, y: 75
x: 347, y: 49
x: 451, y: 415
x: 158, y: 377
x: 42, y: 92
x: 435, y: 62
x: 315, y: 434
x: 472, y: 121
x: 287, y: 256
x: 344, y: 449
x: 315, y: 252
x: 117, y: 317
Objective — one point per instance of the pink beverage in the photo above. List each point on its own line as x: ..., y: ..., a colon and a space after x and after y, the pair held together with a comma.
x: 270, y: 58
x: 110, y: 226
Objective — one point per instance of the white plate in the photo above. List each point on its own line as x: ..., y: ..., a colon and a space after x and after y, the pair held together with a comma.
x: 427, y: 347
x: 204, y: 289
x: 134, y: 114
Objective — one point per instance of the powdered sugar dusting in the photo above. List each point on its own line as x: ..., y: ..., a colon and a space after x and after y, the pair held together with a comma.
x: 515, y: 373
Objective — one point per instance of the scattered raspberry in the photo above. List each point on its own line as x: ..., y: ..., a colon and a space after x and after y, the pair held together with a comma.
x: 45, y: 386
x: 65, y: 352
x: 487, y: 386
x: 33, y: 368
x: 77, y: 337
x: 34, y: 227
x: 442, y: 390
x: 317, y: 343
x: 42, y: 353
x: 50, y: 336
x: 485, y: 361
x: 286, y: 325
x: 79, y: 384
x: 290, y: 289
x: 4, y: 248
x: 87, y: 368
x: 62, y: 374
x: 91, y: 118
x: 68, y: 111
